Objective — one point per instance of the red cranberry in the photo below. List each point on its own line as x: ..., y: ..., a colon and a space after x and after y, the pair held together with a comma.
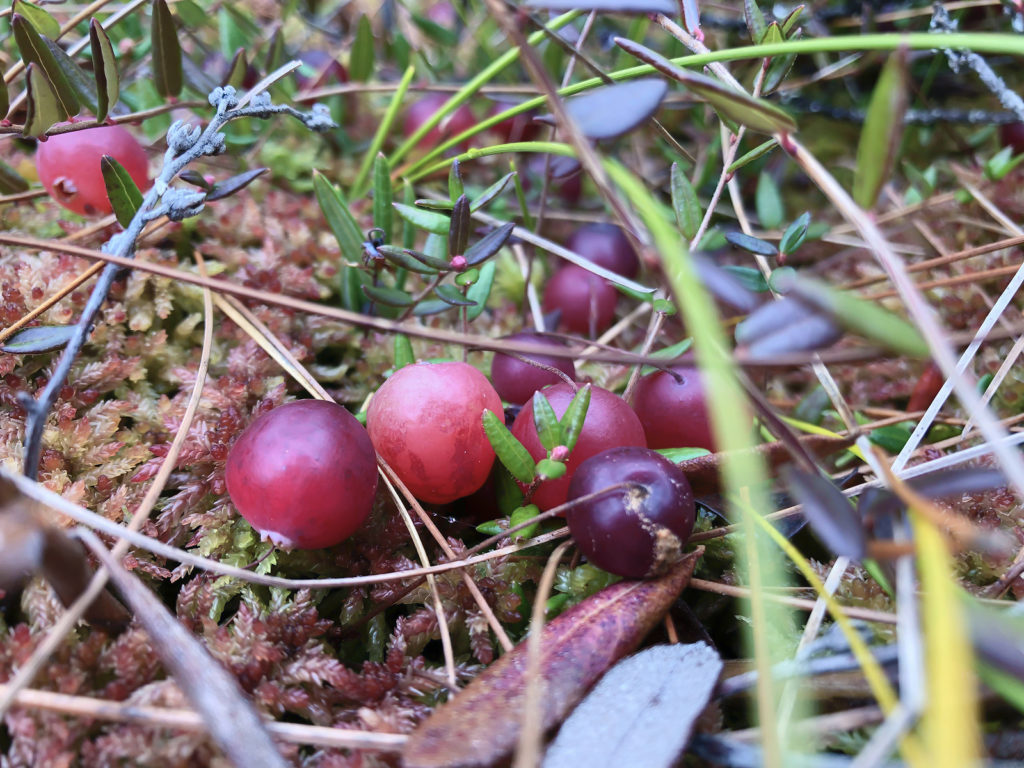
x: 672, y: 406
x: 304, y: 474
x: 634, y: 532
x: 516, y: 381
x: 586, y: 301
x: 455, y: 123
x: 610, y: 423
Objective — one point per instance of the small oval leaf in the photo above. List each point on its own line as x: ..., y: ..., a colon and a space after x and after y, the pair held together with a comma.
x: 489, y: 244
x: 39, y: 338
x: 480, y: 291
x: 574, y: 416
x: 42, y: 108
x: 389, y: 297
x: 435, y: 223
x: 614, y: 110
x: 167, y: 71
x: 829, y: 513
x: 34, y: 50
x: 685, y: 203
x: 40, y: 19
x: 124, y: 195
x: 104, y: 66
x: 752, y: 244
x: 401, y: 258
x: 229, y: 186
x: 449, y: 294
x: 549, y: 431
x: 510, y: 452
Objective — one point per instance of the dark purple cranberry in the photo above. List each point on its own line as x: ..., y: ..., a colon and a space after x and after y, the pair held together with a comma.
x: 672, y: 406
x: 1012, y: 135
x: 606, y: 245
x: 516, y: 381
x: 639, y: 531
x: 586, y: 301
x: 452, y: 125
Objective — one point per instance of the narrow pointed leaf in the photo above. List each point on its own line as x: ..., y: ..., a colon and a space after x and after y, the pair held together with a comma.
x: 808, y: 333
x: 829, y: 513
x: 42, y: 108
x: 510, y: 452
x: 755, y: 20
x: 383, y: 195
x: 778, y: 69
x: 403, y: 351
x: 431, y: 307
x: 104, y: 66
x: 882, y: 131
x: 768, y: 202
x: 237, y: 69
x: 642, y: 712
x: 685, y: 203
x: 574, y: 416
x: 34, y: 50
x: 11, y: 181
x: 196, y: 179
x: 449, y: 294
x: 795, y: 234
x: 339, y: 218
x: 124, y: 195
x: 489, y: 244
x: 389, y: 297
x: 756, y: 114
x: 41, y: 20
x: 435, y: 223
x: 480, y: 291
x: 435, y: 262
x: 84, y: 85
x: 491, y: 192
x: 549, y: 431
x: 360, y: 63
x: 614, y: 110
x: 458, y: 228
x: 607, y: 6
x: 791, y: 20
x: 39, y: 338
x: 456, y: 187
x: 275, y: 52
x: 401, y: 258
x: 5, y: 99
x: 167, y: 73
x: 229, y: 186
x: 481, y: 724
x: 751, y: 244
x: 759, y: 151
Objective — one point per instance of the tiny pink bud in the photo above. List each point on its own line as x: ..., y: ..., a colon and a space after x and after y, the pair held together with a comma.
x: 458, y: 263
x: 559, y: 453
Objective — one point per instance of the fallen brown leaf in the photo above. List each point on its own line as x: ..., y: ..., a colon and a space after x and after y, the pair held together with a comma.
x: 481, y: 725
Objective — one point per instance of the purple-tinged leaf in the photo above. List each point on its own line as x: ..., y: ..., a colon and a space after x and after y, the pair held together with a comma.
x: 222, y: 189
x: 489, y: 244
x: 196, y: 179
x: 776, y: 317
x: 400, y: 258
x: 725, y: 286
x: 34, y: 50
x: 805, y: 335
x: 104, y: 68
x: 435, y: 262
x: 481, y: 724
x: 667, y: 7
x: 167, y: 71
x: 752, y: 244
x: 615, y: 110
x: 458, y: 227
x: 957, y: 481
x: 641, y: 713
x: 828, y: 512
x: 38, y: 339
x: 237, y: 69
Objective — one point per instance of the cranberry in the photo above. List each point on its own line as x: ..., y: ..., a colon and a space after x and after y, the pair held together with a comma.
x: 568, y: 187
x: 672, y: 406
x: 586, y: 301
x: 638, y: 531
x: 425, y: 422
x: 304, y: 474
x: 68, y: 165
x: 518, y: 128
x: 1012, y: 135
x: 606, y: 245
x: 610, y: 423
x: 516, y: 381
x: 452, y: 125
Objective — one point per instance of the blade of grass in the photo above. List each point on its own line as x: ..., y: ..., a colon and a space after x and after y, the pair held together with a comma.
x: 359, y: 185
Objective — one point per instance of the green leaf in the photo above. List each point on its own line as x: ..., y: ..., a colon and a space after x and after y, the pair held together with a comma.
x: 38, y: 339
x: 5, y: 99
x: 389, y: 297
x: 351, y: 282
x: 339, y: 218
x: 574, y: 416
x: 490, y: 528
x: 480, y: 291
x: 795, y: 234
x: 237, y: 69
x: 521, y: 515
x: 449, y: 294
x: 549, y: 431
x: 42, y: 109
x: 401, y: 258
x: 491, y: 192
x: 360, y: 63
x: 104, y: 66
x: 434, y: 223
x: 768, y: 202
x: 167, y: 75
x: 892, y: 437
x: 124, y: 195
x: 731, y: 104
x: 11, y: 181
x: 759, y: 151
x: 456, y: 187
x: 882, y: 131
x: 467, y: 278
x: 230, y: 31
x: 403, y: 351
x: 383, y: 195
x: 83, y: 85
x: 510, y: 452
x: 34, y: 50
x: 685, y: 203
x: 40, y: 19
x: 749, y: 277
x: 790, y: 21
x: 755, y: 20
x: 550, y: 470
x: 679, y: 455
